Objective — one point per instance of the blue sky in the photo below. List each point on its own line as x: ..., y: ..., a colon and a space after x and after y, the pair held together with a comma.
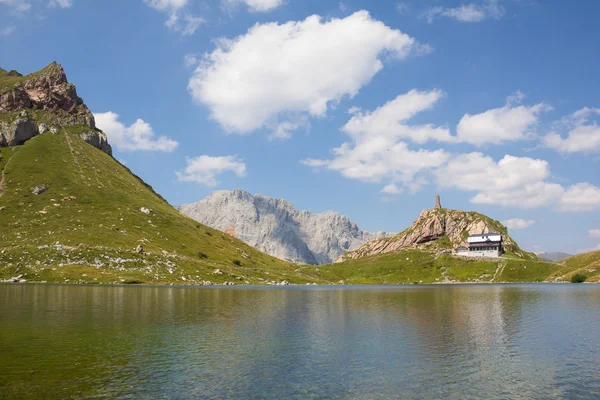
x: 360, y: 107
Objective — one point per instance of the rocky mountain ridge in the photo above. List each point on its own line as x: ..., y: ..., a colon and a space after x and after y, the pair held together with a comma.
x: 44, y: 101
x: 276, y: 227
x: 438, y: 229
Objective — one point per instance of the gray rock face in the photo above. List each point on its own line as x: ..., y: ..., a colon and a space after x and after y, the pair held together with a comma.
x: 277, y: 228
x: 17, y: 132
x: 97, y: 139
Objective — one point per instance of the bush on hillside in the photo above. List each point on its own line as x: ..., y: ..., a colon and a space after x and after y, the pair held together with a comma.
x: 578, y: 278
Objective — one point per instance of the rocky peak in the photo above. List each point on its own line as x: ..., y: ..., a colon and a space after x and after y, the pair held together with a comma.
x: 438, y: 229
x: 276, y: 227
x: 48, y: 99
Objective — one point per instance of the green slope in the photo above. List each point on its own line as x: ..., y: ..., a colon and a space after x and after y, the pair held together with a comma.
x: 418, y: 266
x: 587, y: 264
x: 87, y: 225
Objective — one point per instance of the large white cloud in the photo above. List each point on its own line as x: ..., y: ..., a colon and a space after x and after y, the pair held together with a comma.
x: 518, y: 223
x: 512, y: 181
x: 471, y: 12
x: 509, y: 123
x: 278, y: 73
x: 390, y: 119
x: 583, y: 135
x: 515, y: 182
x: 137, y: 136
x: 376, y: 151
x: 204, y: 169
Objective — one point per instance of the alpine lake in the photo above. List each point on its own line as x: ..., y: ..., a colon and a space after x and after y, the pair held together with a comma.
x: 532, y: 341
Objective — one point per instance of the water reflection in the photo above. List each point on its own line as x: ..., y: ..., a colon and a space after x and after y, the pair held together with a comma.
x: 490, y: 341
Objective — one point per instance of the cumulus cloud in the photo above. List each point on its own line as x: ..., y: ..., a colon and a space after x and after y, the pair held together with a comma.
x: 181, y: 22
x: 509, y: 123
x: 518, y: 223
x: 594, y: 233
x: 254, y: 5
x: 515, y: 182
x: 512, y: 181
x: 471, y: 12
x: 137, y: 136
x: 204, y: 169
x: 389, y: 119
x: 279, y: 72
x: 580, y: 197
x: 376, y: 151
x: 582, y: 135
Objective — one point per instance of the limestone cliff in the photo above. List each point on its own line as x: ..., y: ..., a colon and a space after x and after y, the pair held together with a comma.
x: 44, y: 101
x: 277, y: 228
x: 438, y: 229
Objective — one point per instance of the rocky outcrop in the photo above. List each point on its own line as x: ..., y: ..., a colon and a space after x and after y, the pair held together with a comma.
x: 43, y: 101
x: 277, y: 228
x: 438, y: 229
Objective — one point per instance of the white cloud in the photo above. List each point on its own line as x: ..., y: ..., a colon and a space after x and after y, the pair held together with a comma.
x: 580, y: 197
x: 7, y: 30
x: 515, y: 182
x: 137, y: 136
x: 512, y: 181
x: 17, y: 6
x: 191, y: 59
x: 594, y: 233
x: 276, y: 73
x: 402, y: 7
x: 518, y: 223
x: 391, y: 189
x: 509, y: 123
x: 376, y: 151
x: 61, y: 3
x: 166, y: 5
x: 254, y: 5
x: 582, y: 135
x: 389, y: 119
x: 467, y: 12
x: 204, y: 169
x: 186, y: 24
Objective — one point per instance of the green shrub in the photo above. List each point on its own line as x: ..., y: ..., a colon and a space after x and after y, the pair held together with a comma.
x: 208, y: 233
x: 237, y: 262
x: 202, y: 255
x: 578, y: 278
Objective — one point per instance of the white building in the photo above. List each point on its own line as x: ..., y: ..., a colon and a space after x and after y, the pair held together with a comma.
x: 483, y: 245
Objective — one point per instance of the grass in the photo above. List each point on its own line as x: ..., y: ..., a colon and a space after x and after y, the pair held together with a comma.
x: 90, y: 216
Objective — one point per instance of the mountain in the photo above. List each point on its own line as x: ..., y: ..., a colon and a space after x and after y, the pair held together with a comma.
x: 277, y: 228
x: 587, y: 264
x: 44, y: 101
x: 69, y: 212
x: 553, y: 256
x: 439, y: 230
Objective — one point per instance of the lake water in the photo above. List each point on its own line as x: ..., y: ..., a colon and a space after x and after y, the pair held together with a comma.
x: 422, y: 342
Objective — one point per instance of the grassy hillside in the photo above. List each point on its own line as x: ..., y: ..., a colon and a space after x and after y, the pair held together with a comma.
x: 587, y: 264
x: 86, y: 226
x: 417, y: 266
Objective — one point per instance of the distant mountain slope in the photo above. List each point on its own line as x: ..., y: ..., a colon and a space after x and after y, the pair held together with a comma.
x: 553, y: 256
x: 439, y: 230
x: 277, y: 228
x: 587, y: 264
